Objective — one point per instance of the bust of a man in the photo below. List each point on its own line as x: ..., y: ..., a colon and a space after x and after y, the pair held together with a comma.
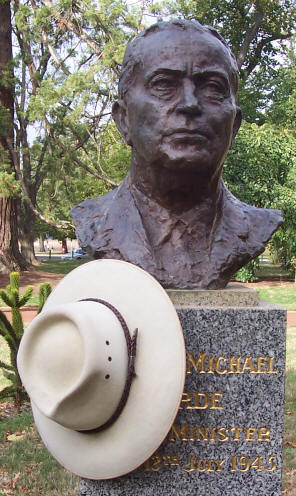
x: 173, y: 215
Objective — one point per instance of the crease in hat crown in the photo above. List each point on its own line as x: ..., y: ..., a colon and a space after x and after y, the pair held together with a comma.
x: 74, y: 364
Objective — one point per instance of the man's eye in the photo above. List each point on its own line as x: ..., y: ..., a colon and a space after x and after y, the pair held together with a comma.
x: 163, y: 85
x: 215, y: 89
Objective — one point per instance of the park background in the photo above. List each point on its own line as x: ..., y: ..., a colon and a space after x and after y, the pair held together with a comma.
x: 59, y: 65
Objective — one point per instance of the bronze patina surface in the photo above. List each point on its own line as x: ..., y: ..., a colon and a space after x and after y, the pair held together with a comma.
x: 173, y: 215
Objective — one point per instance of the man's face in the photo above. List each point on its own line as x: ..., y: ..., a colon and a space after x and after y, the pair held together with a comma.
x: 180, y: 110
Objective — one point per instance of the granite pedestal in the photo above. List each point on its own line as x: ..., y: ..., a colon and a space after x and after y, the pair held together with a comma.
x: 227, y: 437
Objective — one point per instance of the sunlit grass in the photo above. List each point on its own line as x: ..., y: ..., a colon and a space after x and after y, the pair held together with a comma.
x: 280, y: 295
x: 55, y: 266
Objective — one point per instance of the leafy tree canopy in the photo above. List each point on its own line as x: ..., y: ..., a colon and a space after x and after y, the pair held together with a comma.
x: 261, y: 170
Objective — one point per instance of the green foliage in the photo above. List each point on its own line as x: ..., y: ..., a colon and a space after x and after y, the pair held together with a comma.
x: 66, y: 185
x: 66, y: 65
x: 44, y: 292
x: 12, y: 332
x: 273, y: 272
x: 248, y: 273
x: 261, y: 170
x: 22, y: 17
x: 255, y: 94
x: 9, y: 186
x: 260, y: 167
x: 5, y: 120
x: 284, y: 244
x: 114, y: 155
x: 282, y: 112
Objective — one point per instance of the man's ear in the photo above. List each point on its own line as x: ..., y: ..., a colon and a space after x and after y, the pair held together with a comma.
x: 119, y: 114
x: 237, y: 123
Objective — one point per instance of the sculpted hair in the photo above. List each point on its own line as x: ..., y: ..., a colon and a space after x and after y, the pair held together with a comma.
x: 132, y: 57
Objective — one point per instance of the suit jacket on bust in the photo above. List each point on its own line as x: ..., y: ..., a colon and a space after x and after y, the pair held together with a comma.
x: 113, y: 226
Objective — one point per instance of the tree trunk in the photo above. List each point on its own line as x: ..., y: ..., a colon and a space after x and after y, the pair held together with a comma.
x: 27, y: 235
x: 64, y: 245
x: 41, y: 243
x: 10, y: 257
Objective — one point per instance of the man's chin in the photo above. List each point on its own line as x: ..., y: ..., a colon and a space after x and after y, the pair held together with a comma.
x: 178, y: 161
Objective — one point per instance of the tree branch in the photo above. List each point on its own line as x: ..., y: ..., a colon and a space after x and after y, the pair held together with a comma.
x: 27, y: 55
x: 102, y: 176
x: 50, y: 48
x: 64, y: 224
x: 73, y: 27
x: 250, y: 36
x: 255, y: 59
x: 54, y: 55
x: 39, y: 176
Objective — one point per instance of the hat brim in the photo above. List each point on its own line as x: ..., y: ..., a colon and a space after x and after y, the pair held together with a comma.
x: 156, y: 390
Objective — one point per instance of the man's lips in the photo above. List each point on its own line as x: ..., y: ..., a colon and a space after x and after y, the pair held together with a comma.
x: 186, y: 132
x: 186, y: 135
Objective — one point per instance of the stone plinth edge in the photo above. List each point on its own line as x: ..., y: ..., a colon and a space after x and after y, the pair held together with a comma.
x: 231, y: 296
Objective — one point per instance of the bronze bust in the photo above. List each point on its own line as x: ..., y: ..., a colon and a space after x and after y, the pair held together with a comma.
x: 173, y: 215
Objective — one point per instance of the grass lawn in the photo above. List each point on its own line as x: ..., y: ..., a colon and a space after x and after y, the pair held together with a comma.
x: 267, y: 271
x: 26, y: 466
x: 60, y: 266
x: 280, y: 295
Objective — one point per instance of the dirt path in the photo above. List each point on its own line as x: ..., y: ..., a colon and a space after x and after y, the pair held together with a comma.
x: 35, y: 277
x: 291, y: 319
x: 265, y: 283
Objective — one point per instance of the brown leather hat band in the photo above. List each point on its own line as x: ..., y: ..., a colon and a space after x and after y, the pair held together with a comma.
x: 131, y: 343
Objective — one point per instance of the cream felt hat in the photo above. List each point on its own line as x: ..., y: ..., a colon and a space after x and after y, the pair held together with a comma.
x: 103, y: 394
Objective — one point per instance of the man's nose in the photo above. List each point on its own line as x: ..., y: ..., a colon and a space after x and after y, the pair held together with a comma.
x: 189, y: 102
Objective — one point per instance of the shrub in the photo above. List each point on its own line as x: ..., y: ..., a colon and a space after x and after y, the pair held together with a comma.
x: 248, y: 273
x: 12, y: 333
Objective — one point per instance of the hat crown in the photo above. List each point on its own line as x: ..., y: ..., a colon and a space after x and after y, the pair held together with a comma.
x: 74, y: 364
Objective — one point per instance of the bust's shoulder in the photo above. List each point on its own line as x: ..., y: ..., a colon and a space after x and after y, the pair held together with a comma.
x: 257, y: 224
x: 99, y: 207
x: 90, y: 207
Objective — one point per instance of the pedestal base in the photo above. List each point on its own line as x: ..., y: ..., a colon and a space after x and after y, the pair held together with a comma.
x: 227, y: 437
